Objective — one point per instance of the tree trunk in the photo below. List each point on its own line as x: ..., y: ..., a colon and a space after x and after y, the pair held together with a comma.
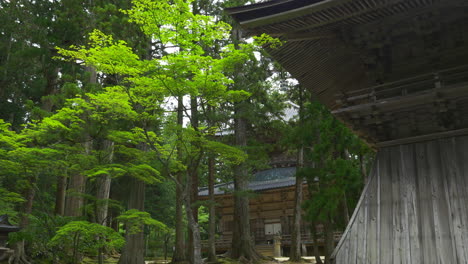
x: 345, y: 208
x: 329, y: 239
x: 76, y: 189
x: 194, y: 184
x: 243, y: 248
x: 167, y: 238
x: 212, y: 205
x: 212, y: 211
x: 318, y: 260
x: 51, y: 77
x: 77, y: 186
x: 295, y: 255
x: 102, y: 196
x: 193, y: 225
x: 103, y: 186
x: 363, y: 168
x: 20, y: 254
x: 179, y: 251
x: 6, y: 62
x: 75, y: 200
x: 133, y: 251
x: 113, y: 213
x: 60, y: 195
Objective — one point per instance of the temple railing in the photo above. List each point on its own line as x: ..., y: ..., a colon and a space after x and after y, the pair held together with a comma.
x: 285, y: 240
x: 408, y: 86
x: 219, y: 243
x: 307, y: 239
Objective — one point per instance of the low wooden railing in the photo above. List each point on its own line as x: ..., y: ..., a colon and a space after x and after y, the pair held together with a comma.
x: 307, y: 239
x: 219, y: 243
x: 285, y: 240
x: 412, y: 85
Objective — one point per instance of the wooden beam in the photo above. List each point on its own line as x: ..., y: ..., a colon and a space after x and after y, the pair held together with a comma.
x: 348, y: 14
x: 250, y: 8
x: 400, y: 102
x: 408, y: 140
x: 290, y: 14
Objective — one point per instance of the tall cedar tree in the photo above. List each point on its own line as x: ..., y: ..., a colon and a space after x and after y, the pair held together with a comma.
x: 332, y: 169
x: 185, y: 71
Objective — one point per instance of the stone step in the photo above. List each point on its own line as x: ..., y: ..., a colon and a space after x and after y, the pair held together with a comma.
x: 265, y: 250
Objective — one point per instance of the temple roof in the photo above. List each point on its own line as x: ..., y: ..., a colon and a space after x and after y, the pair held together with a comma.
x: 261, y: 181
x: 357, y: 52
x: 265, y: 9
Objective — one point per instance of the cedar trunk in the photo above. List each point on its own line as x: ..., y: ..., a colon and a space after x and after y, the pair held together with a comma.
x: 179, y: 251
x: 102, y: 196
x: 363, y: 168
x: 60, y: 195
x: 194, y: 233
x: 133, y: 251
x: 75, y: 200
x: 212, y: 209
x: 20, y: 254
x: 193, y: 187
x: 316, y: 250
x: 296, y: 229
x: 77, y: 187
x: 212, y: 205
x: 329, y: 240
x: 242, y: 245
x: 104, y: 186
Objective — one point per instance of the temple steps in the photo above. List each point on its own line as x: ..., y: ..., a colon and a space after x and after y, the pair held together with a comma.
x: 265, y: 250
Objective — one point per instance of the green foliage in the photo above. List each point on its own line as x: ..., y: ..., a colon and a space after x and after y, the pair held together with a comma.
x: 228, y: 154
x: 135, y: 220
x: 266, y: 40
x: 9, y: 140
x: 335, y: 178
x: 67, y: 113
x: 40, y: 230
x: 85, y: 238
x: 144, y: 84
x: 173, y: 23
x: 8, y: 202
x: 160, y: 202
x: 107, y: 55
x: 203, y: 218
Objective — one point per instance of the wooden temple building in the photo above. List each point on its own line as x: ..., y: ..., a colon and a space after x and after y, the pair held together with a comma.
x: 396, y: 72
x: 271, y: 212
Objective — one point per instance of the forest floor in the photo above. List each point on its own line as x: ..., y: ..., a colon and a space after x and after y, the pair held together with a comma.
x: 308, y: 260
x: 106, y: 261
x: 283, y: 260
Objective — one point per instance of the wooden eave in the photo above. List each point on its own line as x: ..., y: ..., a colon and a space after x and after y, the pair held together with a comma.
x: 259, y: 192
x: 313, y: 14
x: 336, y: 47
x: 254, y: 7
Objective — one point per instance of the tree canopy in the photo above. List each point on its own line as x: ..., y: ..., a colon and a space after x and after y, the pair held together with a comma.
x: 110, y: 120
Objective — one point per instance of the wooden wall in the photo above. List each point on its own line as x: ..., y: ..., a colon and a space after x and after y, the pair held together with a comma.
x: 274, y: 204
x: 414, y: 208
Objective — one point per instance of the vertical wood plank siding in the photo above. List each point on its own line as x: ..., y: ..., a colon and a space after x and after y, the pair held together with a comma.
x: 414, y: 208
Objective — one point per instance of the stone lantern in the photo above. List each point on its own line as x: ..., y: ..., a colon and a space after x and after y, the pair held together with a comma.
x: 277, y: 246
x: 5, y: 229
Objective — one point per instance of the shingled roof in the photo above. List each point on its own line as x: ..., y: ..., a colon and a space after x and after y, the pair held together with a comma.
x: 362, y: 57
x: 262, y: 180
